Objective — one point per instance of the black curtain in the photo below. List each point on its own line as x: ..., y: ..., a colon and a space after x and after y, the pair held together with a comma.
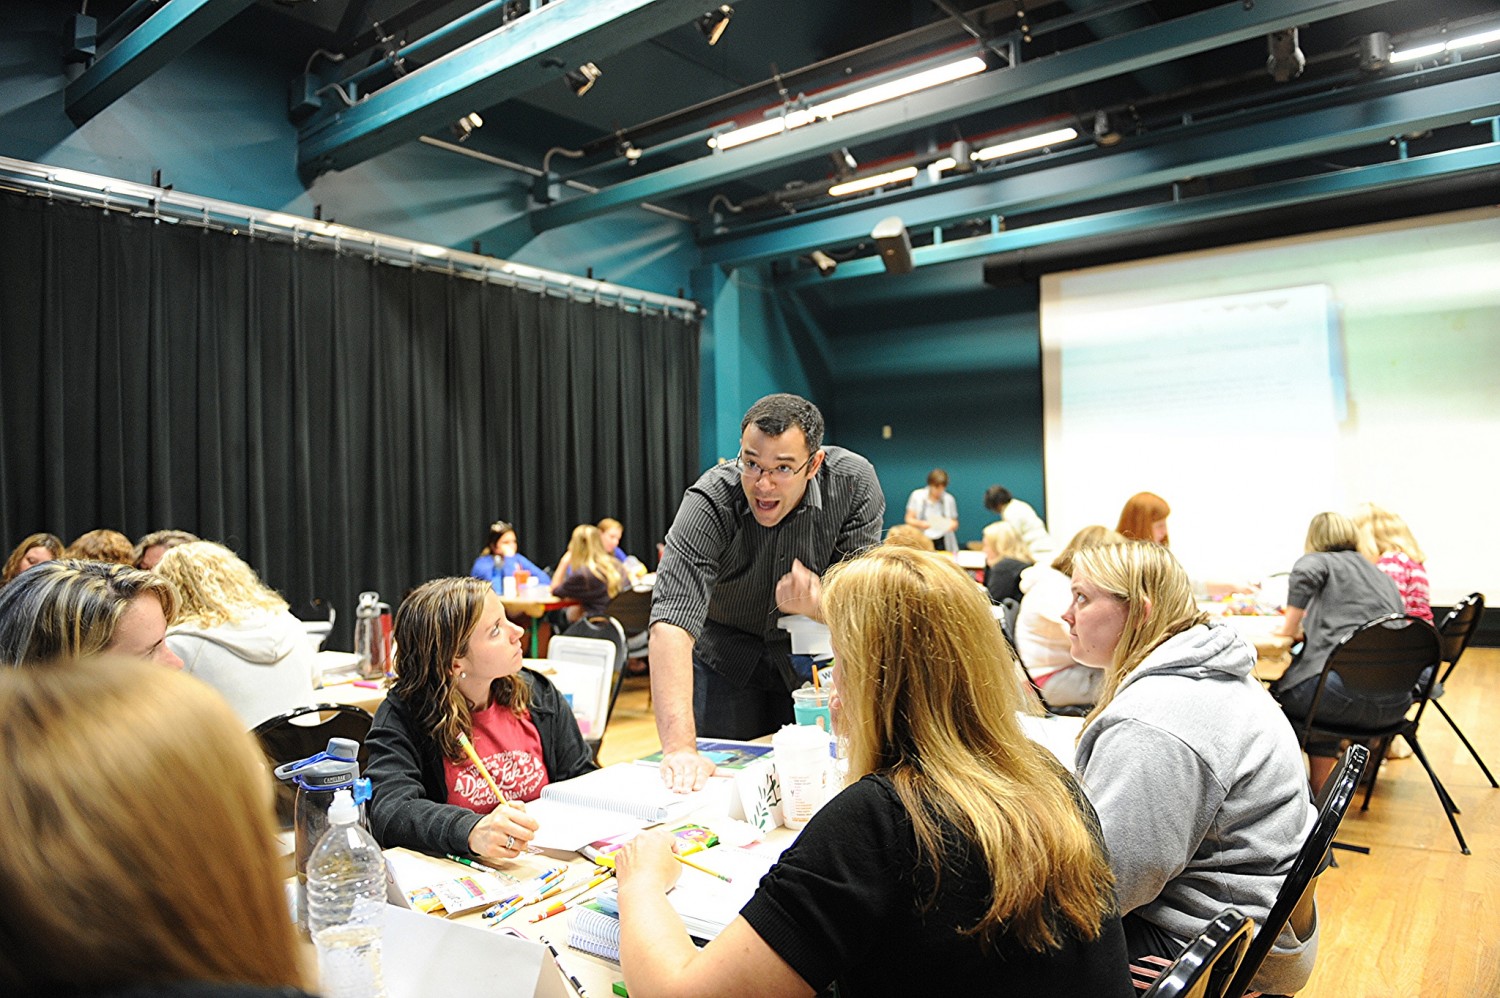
x: 340, y: 422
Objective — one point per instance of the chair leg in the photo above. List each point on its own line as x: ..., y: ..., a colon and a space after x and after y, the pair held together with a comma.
x: 1459, y: 732
x: 1376, y: 758
x: 1442, y: 792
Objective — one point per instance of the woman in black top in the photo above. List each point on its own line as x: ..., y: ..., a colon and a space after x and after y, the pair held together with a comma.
x: 960, y: 857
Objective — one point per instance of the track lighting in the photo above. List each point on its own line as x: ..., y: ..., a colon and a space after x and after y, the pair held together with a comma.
x: 826, y: 264
x: 1104, y: 132
x: 1285, y: 61
x: 466, y: 126
x: 713, y: 23
x: 844, y: 163
x: 582, y: 79
x: 628, y: 150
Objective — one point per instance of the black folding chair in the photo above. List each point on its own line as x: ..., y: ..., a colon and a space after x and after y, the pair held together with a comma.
x: 1204, y: 969
x: 1387, y: 657
x: 284, y: 740
x: 1294, y: 902
x: 1457, y: 630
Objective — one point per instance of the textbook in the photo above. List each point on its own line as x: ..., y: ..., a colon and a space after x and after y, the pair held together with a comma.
x: 723, y: 754
x: 610, y: 801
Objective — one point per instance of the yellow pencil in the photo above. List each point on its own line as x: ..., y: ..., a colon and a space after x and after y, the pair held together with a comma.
x: 703, y: 869
x: 463, y: 740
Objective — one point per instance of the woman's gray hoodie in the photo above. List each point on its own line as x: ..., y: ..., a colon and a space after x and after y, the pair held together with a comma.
x: 1201, y: 792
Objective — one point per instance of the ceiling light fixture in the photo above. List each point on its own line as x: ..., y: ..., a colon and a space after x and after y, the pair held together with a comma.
x: 844, y: 163
x: 1284, y: 58
x: 1027, y: 144
x: 826, y: 264
x: 466, y: 126
x: 582, y: 79
x: 870, y: 183
x: 857, y: 100
x: 713, y: 23
x: 1437, y: 48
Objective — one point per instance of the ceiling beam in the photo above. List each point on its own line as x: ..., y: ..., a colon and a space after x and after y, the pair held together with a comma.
x: 175, y: 27
x: 1214, y: 28
x: 1356, y: 180
x: 503, y: 64
x: 1091, y: 174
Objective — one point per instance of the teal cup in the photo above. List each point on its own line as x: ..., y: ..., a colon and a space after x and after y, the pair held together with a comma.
x: 812, y: 706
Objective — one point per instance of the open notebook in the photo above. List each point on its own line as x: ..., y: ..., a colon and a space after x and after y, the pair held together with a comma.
x: 612, y: 800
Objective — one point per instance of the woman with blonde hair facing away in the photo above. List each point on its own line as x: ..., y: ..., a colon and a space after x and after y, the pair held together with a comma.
x: 459, y: 675
x: 102, y: 545
x: 904, y: 536
x: 1333, y: 589
x: 591, y: 575
x: 1005, y: 557
x: 68, y: 609
x: 610, y: 532
x: 147, y: 780
x: 960, y: 858
x: 30, y: 552
x: 236, y: 634
x: 1041, y: 635
x: 1396, y: 553
x: 1194, y: 771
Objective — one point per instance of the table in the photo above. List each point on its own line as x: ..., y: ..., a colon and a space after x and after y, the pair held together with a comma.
x: 366, y: 697
x: 1272, y: 650
x: 534, y: 605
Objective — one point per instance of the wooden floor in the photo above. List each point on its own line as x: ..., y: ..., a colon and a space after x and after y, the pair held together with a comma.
x: 1414, y: 918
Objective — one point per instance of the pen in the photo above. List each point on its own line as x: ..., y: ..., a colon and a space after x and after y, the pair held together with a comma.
x: 480, y: 866
x: 557, y: 959
x: 703, y: 869
x: 598, y: 879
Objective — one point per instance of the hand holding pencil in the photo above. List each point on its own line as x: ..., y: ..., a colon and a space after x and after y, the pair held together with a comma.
x: 505, y: 832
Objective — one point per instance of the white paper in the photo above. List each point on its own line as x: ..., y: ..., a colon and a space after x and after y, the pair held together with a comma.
x: 422, y: 954
x: 570, y: 828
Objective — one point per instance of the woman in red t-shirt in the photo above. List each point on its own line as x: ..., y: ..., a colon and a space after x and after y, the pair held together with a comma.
x: 459, y: 674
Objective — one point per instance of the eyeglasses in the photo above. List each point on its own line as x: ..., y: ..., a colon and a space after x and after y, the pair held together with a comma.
x: 751, y: 471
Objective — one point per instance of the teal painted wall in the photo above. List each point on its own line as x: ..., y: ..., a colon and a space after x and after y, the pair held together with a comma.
x: 959, y: 385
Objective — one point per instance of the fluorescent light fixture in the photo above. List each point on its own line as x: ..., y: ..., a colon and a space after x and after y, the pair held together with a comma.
x: 870, y: 183
x: 1437, y: 48
x: 878, y: 94
x: 1026, y: 144
x: 1420, y: 52
x: 946, y: 163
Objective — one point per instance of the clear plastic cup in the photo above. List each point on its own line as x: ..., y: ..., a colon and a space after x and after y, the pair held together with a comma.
x: 811, y: 705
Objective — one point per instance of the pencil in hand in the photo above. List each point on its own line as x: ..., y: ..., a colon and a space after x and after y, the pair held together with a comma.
x: 703, y: 869
x: 484, y: 771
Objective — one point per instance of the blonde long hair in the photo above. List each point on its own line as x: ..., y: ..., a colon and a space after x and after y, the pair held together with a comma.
x: 929, y: 695
x: 586, y: 554
x: 214, y: 587
x: 1158, y: 598
x: 138, y: 831
x: 1002, y: 540
x: 432, y: 630
x: 1385, y: 532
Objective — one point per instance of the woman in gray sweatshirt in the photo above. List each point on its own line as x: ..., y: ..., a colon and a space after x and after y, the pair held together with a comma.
x: 1192, y: 767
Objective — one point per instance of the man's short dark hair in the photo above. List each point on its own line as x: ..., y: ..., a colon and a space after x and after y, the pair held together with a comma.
x: 775, y: 414
x: 996, y: 497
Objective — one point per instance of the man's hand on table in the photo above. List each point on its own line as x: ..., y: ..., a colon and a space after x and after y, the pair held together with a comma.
x: 685, y: 770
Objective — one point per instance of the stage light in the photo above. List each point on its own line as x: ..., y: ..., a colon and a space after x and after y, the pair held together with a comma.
x: 582, y: 79
x: 466, y: 126
x: 713, y: 23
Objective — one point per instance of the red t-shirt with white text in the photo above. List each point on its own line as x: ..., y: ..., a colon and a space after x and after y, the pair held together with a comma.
x: 512, y: 752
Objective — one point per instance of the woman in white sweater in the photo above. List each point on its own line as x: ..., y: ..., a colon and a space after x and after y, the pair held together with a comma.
x: 236, y: 634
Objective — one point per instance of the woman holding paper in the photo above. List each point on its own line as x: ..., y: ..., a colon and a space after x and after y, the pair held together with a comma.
x: 959, y: 858
x: 460, y: 693
x: 140, y: 852
x: 935, y: 511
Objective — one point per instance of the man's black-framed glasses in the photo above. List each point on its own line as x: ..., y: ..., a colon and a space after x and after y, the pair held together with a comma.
x: 753, y: 471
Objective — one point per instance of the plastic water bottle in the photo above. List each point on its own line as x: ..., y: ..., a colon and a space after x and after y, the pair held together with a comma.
x: 346, y: 905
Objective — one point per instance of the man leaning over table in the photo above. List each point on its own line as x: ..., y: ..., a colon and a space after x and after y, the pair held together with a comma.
x: 749, y: 544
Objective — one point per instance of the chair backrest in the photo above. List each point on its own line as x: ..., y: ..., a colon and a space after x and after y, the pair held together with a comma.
x: 632, y: 608
x: 1206, y: 966
x: 1386, y: 656
x: 1332, y: 804
x: 605, y: 629
x: 586, y: 669
x: 1011, y: 610
x: 1457, y: 629
x: 304, y: 732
